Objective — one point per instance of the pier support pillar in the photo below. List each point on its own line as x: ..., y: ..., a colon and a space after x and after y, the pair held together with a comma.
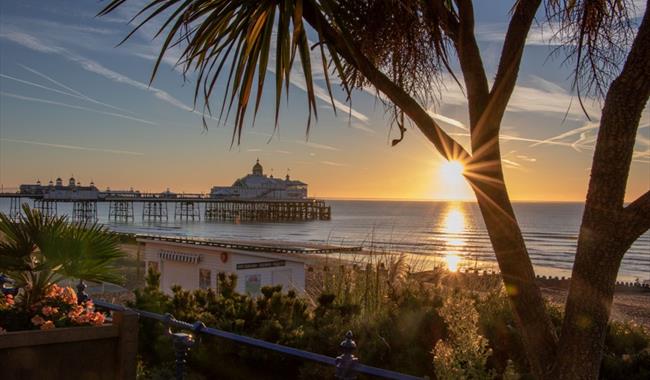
x: 47, y: 207
x: 84, y: 211
x: 186, y: 210
x: 15, y: 208
x: 154, y: 211
x: 120, y: 211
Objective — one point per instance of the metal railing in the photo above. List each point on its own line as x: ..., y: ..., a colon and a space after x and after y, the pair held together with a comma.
x: 347, y: 366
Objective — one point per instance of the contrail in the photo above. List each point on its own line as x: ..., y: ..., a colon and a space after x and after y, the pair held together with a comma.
x: 74, y: 147
x: 57, y: 91
x: 39, y: 100
x: 72, y: 90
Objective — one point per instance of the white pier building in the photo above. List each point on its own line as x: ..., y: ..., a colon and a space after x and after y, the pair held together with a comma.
x: 257, y: 185
x: 57, y: 190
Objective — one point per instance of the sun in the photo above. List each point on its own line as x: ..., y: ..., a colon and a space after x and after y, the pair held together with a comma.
x: 452, y: 171
x: 450, y: 182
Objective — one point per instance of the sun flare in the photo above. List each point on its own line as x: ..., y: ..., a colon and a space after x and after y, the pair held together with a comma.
x: 452, y: 171
x: 451, y: 182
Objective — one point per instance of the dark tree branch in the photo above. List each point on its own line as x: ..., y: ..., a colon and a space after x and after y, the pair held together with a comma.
x: 624, y: 104
x: 471, y: 64
x: 507, y: 72
x: 444, y: 143
x: 638, y: 215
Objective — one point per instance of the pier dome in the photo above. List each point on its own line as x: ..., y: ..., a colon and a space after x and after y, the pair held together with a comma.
x: 257, y: 168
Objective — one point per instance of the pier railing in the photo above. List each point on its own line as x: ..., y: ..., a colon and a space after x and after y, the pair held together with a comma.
x: 347, y: 365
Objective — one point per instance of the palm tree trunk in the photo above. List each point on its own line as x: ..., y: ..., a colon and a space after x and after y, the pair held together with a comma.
x: 518, y: 275
x: 608, y: 229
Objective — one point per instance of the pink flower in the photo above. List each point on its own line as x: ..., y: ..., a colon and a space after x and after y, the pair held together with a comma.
x: 48, y: 310
x: 47, y: 325
x: 97, y: 319
x: 75, y: 312
x: 69, y: 295
x: 38, y: 320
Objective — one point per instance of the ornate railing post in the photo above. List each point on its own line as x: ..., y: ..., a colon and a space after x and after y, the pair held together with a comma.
x: 182, y: 343
x: 82, y: 296
x: 346, y: 361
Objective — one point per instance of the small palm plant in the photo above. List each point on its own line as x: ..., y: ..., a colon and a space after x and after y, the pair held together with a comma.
x: 38, y: 251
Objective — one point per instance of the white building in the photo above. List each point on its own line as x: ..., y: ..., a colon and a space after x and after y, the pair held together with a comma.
x: 259, y: 186
x: 73, y: 190
x: 195, y: 264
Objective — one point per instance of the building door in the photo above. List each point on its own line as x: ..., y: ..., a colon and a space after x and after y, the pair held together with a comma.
x: 282, y: 277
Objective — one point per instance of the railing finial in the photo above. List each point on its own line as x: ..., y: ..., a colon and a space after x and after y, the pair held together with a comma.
x: 82, y: 296
x: 346, y: 361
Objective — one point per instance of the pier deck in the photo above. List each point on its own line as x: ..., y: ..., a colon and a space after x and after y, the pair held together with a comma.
x: 186, y: 207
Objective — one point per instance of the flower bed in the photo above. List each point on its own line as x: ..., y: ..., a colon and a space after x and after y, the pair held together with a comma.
x: 58, y: 308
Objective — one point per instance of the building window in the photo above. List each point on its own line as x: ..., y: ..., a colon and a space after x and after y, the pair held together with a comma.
x: 205, y: 278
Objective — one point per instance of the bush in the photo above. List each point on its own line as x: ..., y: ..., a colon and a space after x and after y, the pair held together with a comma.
x: 398, y: 323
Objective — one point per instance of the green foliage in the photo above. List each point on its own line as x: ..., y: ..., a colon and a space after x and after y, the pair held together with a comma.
x: 627, y: 352
x: 38, y: 251
x: 464, y: 353
x: 399, y: 327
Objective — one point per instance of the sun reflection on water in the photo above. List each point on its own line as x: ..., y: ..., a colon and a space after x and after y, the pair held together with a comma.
x: 452, y: 260
x: 454, y: 226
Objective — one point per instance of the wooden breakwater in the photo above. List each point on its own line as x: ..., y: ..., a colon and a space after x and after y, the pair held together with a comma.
x: 463, y: 276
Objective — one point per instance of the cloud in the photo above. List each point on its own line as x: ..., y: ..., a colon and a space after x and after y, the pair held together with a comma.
x: 538, y: 96
x: 362, y: 127
x: 577, y: 144
x: 74, y: 147
x: 52, y: 102
x: 74, y: 95
x: 34, y: 71
x: 316, y: 145
x: 526, y: 158
x: 332, y: 163
x: 33, y: 43
x: 447, y: 120
x: 541, y: 34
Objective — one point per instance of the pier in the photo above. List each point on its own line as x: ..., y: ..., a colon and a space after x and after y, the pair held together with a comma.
x: 157, y: 207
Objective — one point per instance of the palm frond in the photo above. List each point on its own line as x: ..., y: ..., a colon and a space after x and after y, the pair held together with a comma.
x: 54, y: 246
x: 595, y: 36
x: 233, y: 41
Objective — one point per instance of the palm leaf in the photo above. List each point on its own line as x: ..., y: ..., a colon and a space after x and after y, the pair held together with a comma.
x: 237, y: 35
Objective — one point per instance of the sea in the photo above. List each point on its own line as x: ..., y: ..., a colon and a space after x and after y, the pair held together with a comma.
x: 429, y: 233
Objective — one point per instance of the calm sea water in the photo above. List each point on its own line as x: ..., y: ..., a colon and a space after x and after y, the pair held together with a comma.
x: 432, y: 233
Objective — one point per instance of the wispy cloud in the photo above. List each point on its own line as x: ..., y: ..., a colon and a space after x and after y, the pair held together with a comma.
x: 74, y: 147
x: 332, y: 163
x: 316, y: 145
x: 72, y: 106
x: 447, y: 120
x: 74, y: 95
x: 576, y: 131
x: 362, y: 127
x: 92, y: 66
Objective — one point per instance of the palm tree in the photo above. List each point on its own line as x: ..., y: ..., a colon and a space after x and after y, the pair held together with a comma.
x: 402, y: 48
x: 37, y: 251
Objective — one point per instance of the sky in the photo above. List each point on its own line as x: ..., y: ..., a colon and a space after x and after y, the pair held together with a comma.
x: 72, y: 103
